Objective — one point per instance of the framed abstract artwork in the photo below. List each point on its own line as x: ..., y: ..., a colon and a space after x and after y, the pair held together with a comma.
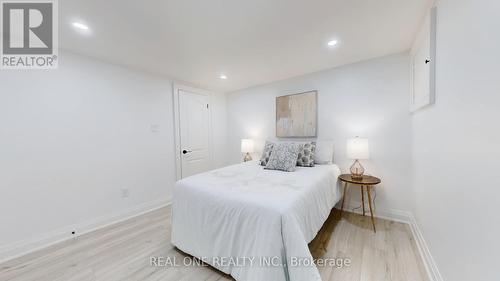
x: 296, y: 115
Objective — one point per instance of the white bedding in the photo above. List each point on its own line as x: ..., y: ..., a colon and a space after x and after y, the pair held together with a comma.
x: 241, y: 219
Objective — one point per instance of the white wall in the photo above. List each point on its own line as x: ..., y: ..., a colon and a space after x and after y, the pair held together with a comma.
x: 72, y: 138
x: 368, y: 99
x: 219, y: 127
x: 456, y: 144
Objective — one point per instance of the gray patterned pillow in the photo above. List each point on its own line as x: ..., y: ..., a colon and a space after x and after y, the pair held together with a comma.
x: 283, y: 157
x: 268, y: 148
x: 306, y: 154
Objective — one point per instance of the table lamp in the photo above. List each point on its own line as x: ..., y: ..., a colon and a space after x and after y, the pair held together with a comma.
x: 247, y: 147
x: 357, y: 149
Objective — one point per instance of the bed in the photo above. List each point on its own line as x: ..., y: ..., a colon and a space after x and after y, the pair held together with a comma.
x: 252, y: 223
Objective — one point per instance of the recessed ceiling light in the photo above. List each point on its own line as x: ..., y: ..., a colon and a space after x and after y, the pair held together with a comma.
x: 80, y: 26
x: 223, y: 77
x: 332, y: 43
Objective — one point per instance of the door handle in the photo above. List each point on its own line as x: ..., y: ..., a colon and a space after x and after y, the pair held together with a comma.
x: 186, y: 151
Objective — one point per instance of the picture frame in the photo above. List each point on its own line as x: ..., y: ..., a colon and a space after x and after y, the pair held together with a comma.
x: 297, y: 115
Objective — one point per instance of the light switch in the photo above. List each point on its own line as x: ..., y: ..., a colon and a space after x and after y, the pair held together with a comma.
x: 125, y: 192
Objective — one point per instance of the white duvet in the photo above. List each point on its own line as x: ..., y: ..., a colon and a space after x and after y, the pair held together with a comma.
x: 254, y: 224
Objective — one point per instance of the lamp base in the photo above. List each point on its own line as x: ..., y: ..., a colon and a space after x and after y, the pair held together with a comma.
x: 247, y: 158
x: 357, y: 170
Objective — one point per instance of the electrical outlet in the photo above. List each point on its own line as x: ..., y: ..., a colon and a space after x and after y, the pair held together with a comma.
x: 155, y: 128
x: 125, y: 192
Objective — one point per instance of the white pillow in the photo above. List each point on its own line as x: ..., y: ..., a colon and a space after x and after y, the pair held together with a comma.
x: 324, y: 152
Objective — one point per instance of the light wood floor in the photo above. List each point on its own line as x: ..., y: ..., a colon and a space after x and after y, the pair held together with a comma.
x: 122, y: 252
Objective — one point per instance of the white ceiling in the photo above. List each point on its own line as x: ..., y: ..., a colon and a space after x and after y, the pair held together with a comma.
x: 253, y: 42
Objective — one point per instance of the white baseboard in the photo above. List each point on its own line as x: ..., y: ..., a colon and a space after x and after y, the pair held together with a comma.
x: 408, y: 218
x: 430, y: 264
x: 23, y: 247
x: 388, y: 214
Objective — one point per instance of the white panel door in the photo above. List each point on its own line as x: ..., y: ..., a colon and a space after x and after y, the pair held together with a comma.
x: 194, y: 125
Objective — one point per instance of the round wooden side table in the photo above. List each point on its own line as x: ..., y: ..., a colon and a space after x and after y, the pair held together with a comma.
x: 367, y: 181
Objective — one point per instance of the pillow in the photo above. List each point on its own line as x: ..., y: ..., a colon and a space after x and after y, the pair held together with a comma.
x: 324, y: 152
x: 306, y: 154
x: 284, y: 157
x: 268, y: 148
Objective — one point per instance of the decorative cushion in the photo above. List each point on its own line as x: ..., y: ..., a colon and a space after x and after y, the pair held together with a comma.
x: 324, y: 152
x: 284, y: 157
x: 306, y: 154
x: 268, y: 148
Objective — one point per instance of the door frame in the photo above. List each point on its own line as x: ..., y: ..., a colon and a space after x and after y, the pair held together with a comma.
x: 177, y: 130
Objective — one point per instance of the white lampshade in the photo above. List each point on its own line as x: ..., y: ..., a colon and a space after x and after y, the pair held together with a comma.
x: 246, y: 145
x: 357, y: 148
